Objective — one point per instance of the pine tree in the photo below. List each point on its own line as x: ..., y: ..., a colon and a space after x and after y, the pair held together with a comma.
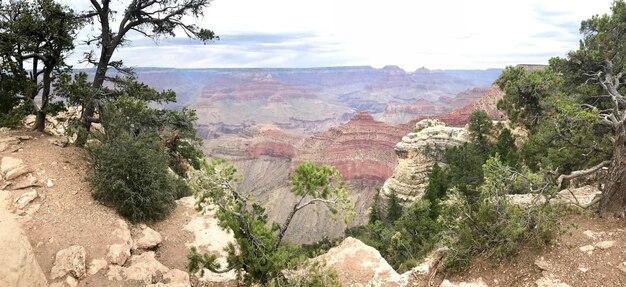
x: 505, y: 147
x: 394, y: 208
x: 436, y: 190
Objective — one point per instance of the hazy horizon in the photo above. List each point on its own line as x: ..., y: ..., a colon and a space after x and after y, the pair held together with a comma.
x: 438, y: 35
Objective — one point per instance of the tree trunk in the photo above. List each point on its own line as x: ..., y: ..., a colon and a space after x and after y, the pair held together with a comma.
x: 89, y: 109
x: 613, y: 201
x: 40, y: 122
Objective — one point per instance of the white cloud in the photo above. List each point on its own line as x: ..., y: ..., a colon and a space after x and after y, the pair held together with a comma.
x: 411, y: 34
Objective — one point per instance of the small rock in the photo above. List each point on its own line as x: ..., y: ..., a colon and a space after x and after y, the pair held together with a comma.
x: 477, y: 283
x: 123, y: 232
x: 550, y: 281
x: 70, y: 260
x: 591, y: 234
x: 118, y: 254
x: 177, y: 277
x: 148, y: 239
x: 582, y: 269
x: 25, y: 199
x: 71, y: 281
x: 16, y: 172
x: 3, y: 146
x: 586, y: 248
x: 49, y: 183
x: 142, y: 267
x: 96, y: 265
x: 9, y: 163
x: 622, y: 267
x: 605, y: 244
x: 542, y: 263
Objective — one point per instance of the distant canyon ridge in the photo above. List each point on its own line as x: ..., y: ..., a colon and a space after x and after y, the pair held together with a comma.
x: 265, y: 121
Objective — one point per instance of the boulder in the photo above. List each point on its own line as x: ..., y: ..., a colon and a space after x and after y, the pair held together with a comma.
x: 123, y: 232
x: 10, y: 163
x: 25, y: 199
x: 118, y: 254
x: 581, y: 196
x: 360, y: 265
x: 147, y: 238
x: 143, y: 267
x: 16, y: 172
x: 96, y: 265
x: 605, y: 244
x: 69, y: 261
x: 18, y: 265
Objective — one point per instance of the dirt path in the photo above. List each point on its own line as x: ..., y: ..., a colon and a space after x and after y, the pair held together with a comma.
x: 564, y: 262
x: 65, y: 214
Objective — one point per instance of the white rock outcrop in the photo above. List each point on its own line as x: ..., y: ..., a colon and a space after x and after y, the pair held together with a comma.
x: 417, y: 154
x: 360, y: 265
x: 18, y: 265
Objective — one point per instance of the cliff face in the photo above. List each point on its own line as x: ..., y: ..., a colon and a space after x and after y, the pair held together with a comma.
x: 417, y: 154
x: 361, y: 149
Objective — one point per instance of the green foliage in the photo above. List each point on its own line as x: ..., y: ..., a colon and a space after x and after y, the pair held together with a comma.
x: 259, y: 257
x: 374, y: 214
x: 506, y: 149
x: 526, y: 93
x: 465, y: 168
x: 479, y: 127
x: 129, y: 173
x: 35, y: 35
x: 572, y: 138
x: 311, y: 275
x: 130, y: 161
x: 394, y: 207
x: 494, y: 227
x: 435, y: 190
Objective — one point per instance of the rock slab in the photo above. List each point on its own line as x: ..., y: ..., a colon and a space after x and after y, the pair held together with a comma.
x: 69, y: 261
x: 18, y: 266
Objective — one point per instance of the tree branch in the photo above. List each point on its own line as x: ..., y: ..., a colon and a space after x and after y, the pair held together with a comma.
x: 580, y: 173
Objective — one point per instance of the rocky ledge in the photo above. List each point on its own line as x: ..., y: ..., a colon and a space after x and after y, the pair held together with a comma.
x: 417, y: 154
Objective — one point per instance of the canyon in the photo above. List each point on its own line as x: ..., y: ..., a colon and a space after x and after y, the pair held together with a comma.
x: 266, y: 121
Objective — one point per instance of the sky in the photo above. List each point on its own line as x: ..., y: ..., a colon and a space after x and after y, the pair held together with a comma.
x: 442, y: 34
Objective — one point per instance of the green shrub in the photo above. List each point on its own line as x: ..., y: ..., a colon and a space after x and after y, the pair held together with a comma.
x: 130, y: 174
x: 493, y: 226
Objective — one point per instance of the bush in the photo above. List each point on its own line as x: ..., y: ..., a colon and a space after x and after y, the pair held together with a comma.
x: 132, y: 166
x: 130, y: 174
x: 494, y: 227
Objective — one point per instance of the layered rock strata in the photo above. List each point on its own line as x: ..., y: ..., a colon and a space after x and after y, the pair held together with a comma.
x: 417, y: 154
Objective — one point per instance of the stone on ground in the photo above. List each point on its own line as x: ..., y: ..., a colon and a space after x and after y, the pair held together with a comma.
x: 605, y: 244
x: 143, y: 267
x: 18, y: 265
x: 118, y: 254
x: 16, y: 172
x: 9, y: 163
x: 69, y: 261
x: 25, y: 199
x: 549, y: 280
x: 96, y: 265
x: 476, y: 283
x: 148, y: 238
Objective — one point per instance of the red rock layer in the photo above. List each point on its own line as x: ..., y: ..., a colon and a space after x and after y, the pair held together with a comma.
x: 460, y: 117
